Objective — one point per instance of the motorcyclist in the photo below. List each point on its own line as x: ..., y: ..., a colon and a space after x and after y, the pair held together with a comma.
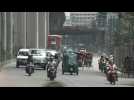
x: 51, y: 64
x: 112, y: 68
x: 30, y: 59
x: 30, y: 64
x: 111, y: 58
x: 49, y: 60
x: 56, y: 59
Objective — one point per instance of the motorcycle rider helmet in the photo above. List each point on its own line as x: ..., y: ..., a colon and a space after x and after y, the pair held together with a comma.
x: 111, y: 56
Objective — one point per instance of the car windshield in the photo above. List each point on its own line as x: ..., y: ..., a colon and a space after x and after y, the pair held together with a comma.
x: 22, y: 53
x: 42, y: 52
x: 35, y: 52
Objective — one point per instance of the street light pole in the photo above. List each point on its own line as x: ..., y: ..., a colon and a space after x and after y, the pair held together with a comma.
x: 46, y: 17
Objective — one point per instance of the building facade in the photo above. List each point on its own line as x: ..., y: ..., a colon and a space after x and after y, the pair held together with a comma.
x: 111, y: 29
x: 67, y: 22
x: 101, y: 20
x: 83, y: 18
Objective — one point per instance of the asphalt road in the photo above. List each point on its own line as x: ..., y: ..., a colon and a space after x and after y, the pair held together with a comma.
x: 10, y: 76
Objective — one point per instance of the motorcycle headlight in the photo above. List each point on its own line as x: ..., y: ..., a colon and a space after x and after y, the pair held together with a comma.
x: 44, y: 60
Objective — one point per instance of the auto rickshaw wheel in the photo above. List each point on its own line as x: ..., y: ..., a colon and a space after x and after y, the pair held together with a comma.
x: 77, y: 73
x: 62, y: 72
x: 29, y: 74
x: 44, y: 67
x: 17, y: 66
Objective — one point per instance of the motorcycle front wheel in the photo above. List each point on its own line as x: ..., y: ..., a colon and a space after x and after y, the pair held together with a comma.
x: 29, y: 74
x: 51, y: 78
x: 77, y: 73
x: 114, y: 83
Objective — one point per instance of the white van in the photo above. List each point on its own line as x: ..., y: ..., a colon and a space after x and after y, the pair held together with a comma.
x: 22, y: 57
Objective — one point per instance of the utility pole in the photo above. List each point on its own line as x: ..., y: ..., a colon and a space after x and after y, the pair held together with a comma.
x: 5, y: 34
x: 11, y: 48
x: 25, y: 29
x: 46, y: 17
x: 37, y: 23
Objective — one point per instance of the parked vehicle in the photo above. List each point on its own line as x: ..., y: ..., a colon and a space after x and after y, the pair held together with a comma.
x: 22, y: 57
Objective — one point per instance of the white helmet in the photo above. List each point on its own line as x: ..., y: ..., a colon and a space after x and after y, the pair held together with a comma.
x: 111, y: 56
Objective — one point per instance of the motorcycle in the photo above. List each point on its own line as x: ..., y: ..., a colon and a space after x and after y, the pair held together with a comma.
x: 111, y: 77
x: 51, y: 70
x: 51, y: 73
x: 29, y: 69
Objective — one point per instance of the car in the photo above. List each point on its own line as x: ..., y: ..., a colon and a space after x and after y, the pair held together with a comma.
x: 22, y: 57
x: 39, y: 57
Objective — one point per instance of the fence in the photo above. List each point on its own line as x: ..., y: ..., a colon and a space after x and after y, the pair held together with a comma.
x: 122, y: 53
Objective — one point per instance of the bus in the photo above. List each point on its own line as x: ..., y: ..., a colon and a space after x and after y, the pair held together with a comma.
x: 54, y: 42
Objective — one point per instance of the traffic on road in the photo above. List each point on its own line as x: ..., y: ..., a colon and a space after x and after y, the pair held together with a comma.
x: 69, y: 70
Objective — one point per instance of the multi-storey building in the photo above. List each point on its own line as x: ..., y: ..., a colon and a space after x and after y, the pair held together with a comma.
x: 111, y: 30
x: 83, y: 18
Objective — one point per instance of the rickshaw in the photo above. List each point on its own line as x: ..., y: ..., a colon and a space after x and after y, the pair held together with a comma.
x: 70, y: 64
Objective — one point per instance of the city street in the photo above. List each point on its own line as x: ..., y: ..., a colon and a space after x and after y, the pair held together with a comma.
x: 10, y: 76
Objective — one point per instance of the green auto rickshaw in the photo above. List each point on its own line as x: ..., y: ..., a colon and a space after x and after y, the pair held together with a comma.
x: 70, y: 63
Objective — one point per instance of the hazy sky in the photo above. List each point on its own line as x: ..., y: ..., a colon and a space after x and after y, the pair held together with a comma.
x: 67, y: 13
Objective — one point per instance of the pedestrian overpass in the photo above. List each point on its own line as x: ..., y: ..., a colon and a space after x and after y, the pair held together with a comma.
x: 91, y: 39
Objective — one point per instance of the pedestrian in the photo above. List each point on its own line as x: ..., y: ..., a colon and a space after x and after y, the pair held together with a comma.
x: 101, y: 63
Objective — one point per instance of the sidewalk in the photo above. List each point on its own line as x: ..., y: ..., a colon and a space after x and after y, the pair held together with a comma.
x: 6, y: 63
